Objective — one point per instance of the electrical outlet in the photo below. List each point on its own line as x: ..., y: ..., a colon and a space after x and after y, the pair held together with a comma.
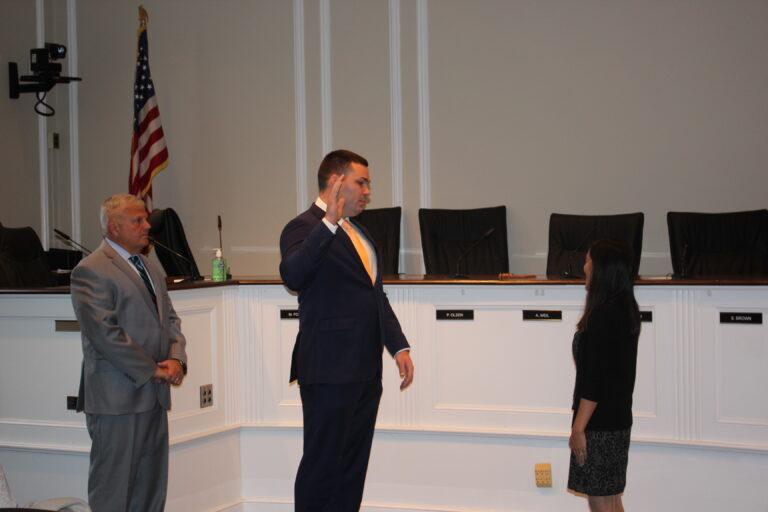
x: 71, y: 403
x: 543, y: 473
x: 53, y: 140
x: 206, y: 395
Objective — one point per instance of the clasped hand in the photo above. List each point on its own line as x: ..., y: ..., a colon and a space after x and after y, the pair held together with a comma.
x: 169, y: 372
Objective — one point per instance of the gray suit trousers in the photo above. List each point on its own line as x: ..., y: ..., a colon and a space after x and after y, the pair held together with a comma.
x: 129, y: 461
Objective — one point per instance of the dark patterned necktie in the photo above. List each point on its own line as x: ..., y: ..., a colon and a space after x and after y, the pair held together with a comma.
x: 136, y: 260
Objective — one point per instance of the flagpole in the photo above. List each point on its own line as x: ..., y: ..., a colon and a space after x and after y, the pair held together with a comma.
x: 149, y: 153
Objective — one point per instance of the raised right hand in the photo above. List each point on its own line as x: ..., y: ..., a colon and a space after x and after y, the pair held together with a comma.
x: 335, y: 203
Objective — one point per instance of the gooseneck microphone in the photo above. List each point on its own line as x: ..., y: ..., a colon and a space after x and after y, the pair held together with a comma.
x: 195, y: 273
x: 220, y: 246
x: 71, y: 242
x: 458, y: 275
x: 583, y: 247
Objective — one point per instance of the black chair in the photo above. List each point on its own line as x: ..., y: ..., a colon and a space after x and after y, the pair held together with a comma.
x: 22, y: 259
x: 167, y: 229
x: 571, y: 235
x: 384, y: 226
x: 459, y: 242
x: 712, y: 244
x: 63, y: 259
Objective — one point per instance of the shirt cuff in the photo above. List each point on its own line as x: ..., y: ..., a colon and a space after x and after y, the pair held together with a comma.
x: 183, y: 365
x: 401, y: 350
x: 332, y: 227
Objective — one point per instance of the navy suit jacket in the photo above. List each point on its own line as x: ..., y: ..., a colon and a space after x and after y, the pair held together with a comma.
x: 344, y: 319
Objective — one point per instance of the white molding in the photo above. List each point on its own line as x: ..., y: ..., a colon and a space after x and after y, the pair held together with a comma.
x: 42, y: 139
x: 74, y: 122
x: 396, y: 115
x: 326, y: 93
x: 404, y: 301
x: 687, y: 424
x: 300, y: 100
x: 399, y: 431
x: 251, y: 354
x: 445, y: 406
x: 396, y: 103
x: 425, y: 188
x: 235, y: 355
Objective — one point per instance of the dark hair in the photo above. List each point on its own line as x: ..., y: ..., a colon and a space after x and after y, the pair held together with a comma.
x: 336, y: 162
x: 612, y: 281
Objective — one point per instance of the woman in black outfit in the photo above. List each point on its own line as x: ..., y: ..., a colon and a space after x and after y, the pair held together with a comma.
x: 605, y: 352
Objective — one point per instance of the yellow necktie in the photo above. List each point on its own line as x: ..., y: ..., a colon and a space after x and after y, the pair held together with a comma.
x: 359, y: 247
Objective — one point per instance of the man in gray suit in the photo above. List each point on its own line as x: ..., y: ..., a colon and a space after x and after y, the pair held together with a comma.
x: 133, y: 350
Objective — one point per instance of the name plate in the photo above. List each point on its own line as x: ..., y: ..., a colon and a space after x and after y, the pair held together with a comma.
x: 455, y: 314
x: 289, y: 314
x: 741, y: 318
x: 67, y: 326
x: 542, y: 315
x: 646, y: 316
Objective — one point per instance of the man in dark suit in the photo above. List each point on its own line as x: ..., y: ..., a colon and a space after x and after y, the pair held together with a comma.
x: 344, y: 321
x: 133, y: 350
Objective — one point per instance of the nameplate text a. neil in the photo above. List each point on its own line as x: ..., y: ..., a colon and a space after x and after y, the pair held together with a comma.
x: 542, y: 315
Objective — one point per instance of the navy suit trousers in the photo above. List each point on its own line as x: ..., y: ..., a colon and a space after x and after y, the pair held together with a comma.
x: 339, y: 421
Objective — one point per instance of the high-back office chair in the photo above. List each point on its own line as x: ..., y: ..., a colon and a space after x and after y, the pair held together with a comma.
x: 22, y: 259
x: 384, y: 226
x: 8, y: 502
x: 571, y: 235
x: 457, y: 242
x: 63, y: 259
x: 709, y: 244
x: 167, y: 229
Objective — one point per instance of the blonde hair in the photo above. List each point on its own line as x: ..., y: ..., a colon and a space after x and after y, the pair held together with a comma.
x: 115, y: 204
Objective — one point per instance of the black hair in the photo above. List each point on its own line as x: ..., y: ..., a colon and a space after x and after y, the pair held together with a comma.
x: 336, y: 162
x: 612, y: 282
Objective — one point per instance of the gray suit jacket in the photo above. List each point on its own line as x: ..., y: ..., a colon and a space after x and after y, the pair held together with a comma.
x: 123, y: 334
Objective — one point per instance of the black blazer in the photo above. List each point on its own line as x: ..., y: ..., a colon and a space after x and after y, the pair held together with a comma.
x: 344, y: 320
x: 606, y: 361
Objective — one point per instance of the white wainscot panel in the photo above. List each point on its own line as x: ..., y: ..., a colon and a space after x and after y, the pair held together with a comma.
x: 497, y: 371
x: 281, y: 400
x: 200, y: 313
x: 39, y: 368
x: 733, y: 372
x: 654, y: 404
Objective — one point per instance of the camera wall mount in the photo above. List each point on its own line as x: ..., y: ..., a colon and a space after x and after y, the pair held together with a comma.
x: 45, y: 74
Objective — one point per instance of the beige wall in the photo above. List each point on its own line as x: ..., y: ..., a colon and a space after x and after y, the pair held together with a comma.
x: 565, y: 106
x: 37, y: 177
x: 19, y: 166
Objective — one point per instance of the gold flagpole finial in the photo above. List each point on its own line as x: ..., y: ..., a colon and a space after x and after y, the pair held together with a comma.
x: 143, y: 16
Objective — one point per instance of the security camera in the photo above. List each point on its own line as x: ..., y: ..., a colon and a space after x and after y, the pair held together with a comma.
x: 45, y: 74
x: 40, y: 59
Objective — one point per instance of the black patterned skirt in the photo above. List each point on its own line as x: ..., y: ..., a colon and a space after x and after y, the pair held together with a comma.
x: 605, y: 471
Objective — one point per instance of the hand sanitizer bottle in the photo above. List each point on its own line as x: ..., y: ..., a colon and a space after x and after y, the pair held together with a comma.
x: 219, y: 271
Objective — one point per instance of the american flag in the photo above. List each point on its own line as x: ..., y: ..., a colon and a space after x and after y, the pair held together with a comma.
x: 149, y: 155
